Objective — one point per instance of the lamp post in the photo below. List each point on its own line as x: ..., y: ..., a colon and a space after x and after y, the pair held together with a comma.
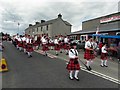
x: 18, y: 27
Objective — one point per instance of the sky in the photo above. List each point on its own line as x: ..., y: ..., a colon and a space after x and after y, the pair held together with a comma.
x: 27, y: 12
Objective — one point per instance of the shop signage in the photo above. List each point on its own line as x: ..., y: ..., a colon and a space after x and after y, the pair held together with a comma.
x: 113, y: 18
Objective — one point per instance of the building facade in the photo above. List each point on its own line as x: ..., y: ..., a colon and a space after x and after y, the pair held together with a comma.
x: 105, y: 25
x: 52, y: 27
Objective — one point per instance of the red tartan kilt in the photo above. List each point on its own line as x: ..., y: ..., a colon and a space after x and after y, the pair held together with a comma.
x: 72, y: 66
x: 20, y: 44
x: 51, y: 44
x: 61, y: 45
x: 104, y: 56
x: 35, y: 44
x: 29, y: 48
x: 66, y: 46
x: 24, y: 45
x: 88, y: 55
x: 45, y: 47
x: 57, y: 47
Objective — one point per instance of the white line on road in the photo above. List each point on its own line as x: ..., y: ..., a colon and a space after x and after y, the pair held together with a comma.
x: 84, y: 69
x: 98, y: 74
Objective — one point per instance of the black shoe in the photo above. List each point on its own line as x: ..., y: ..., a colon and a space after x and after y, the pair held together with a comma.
x: 101, y: 66
x: 60, y: 51
x: 66, y: 53
x: 105, y: 65
x: 46, y: 55
x: 56, y: 54
x: 76, y: 79
x: 90, y: 68
x: 71, y: 78
x: 30, y: 55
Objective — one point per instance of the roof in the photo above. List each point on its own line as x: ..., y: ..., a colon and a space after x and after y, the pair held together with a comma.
x: 89, y: 32
x: 49, y: 22
x: 102, y: 17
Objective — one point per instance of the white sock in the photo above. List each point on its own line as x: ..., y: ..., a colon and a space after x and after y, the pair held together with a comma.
x: 71, y: 73
x: 105, y: 62
x: 29, y: 53
x: 25, y: 50
x: 76, y: 74
x: 20, y: 48
x: 102, y: 62
x: 88, y: 63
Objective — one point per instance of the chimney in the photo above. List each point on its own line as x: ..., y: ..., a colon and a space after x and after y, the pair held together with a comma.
x: 36, y: 23
x: 30, y: 25
x: 42, y: 21
x: 59, y: 16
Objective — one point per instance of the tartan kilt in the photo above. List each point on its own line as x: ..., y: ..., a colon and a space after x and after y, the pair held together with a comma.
x: 29, y: 48
x: 24, y: 45
x: 20, y: 44
x: 66, y: 46
x: 88, y: 55
x: 35, y: 43
x: 104, y: 56
x: 45, y: 47
x: 57, y: 47
x: 51, y: 44
x: 61, y: 46
x: 72, y: 66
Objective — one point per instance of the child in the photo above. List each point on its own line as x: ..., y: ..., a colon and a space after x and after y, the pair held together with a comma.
x: 104, y: 56
x: 73, y: 65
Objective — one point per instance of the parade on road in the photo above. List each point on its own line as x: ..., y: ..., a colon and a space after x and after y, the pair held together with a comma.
x: 59, y: 44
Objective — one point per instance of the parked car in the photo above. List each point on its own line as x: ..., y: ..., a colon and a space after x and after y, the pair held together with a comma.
x: 80, y: 44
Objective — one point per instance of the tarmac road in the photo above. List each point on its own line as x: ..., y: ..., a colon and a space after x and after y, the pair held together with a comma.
x: 44, y: 72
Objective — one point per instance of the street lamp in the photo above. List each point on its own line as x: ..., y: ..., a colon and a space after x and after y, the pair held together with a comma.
x: 18, y: 27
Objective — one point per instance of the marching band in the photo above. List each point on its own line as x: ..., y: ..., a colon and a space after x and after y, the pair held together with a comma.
x: 61, y: 44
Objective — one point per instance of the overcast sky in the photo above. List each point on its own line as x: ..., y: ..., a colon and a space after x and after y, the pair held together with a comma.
x: 30, y: 11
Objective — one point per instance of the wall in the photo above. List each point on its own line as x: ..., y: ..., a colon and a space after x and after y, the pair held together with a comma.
x: 59, y: 27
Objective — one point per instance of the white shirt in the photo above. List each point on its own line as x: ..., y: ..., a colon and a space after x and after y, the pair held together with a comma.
x: 66, y: 40
x: 73, y: 55
x: 42, y: 38
x: 56, y: 41
x: 44, y: 41
x: 24, y: 39
x: 51, y: 41
x: 28, y: 40
x: 88, y: 44
x: 104, y: 49
x: 94, y: 45
x: 60, y: 38
x: 35, y: 38
x: 19, y: 39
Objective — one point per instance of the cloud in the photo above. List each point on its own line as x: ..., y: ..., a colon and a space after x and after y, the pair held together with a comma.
x: 30, y: 11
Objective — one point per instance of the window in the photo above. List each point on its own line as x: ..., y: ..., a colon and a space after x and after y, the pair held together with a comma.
x: 41, y: 28
x: 37, y: 29
x: 47, y: 27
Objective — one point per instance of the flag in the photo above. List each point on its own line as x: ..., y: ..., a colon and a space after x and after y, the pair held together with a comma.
x: 97, y: 31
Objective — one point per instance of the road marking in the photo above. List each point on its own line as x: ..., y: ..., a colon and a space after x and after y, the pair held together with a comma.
x: 98, y: 74
x: 84, y: 69
x: 49, y: 55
